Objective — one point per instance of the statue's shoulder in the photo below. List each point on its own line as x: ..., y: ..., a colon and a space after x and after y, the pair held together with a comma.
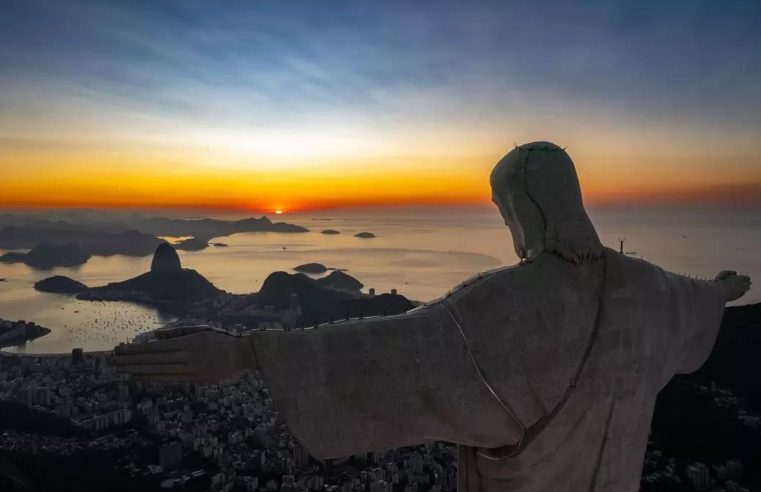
x: 633, y: 277
x: 621, y: 262
x: 548, y: 278
x: 550, y: 271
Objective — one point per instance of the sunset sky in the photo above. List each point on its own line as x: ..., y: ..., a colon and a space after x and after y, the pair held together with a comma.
x: 263, y: 105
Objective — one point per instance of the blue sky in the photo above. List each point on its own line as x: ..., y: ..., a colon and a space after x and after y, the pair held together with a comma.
x: 689, y: 57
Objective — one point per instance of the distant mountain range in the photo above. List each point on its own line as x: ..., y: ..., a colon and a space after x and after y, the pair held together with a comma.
x: 208, y: 228
x: 155, y: 225
x: 131, y: 235
x: 92, y: 242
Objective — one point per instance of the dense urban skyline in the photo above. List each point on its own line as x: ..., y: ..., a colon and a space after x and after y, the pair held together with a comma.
x: 303, y: 105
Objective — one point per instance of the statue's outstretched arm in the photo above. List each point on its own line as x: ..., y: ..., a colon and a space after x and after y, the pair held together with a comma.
x: 186, y: 354
x: 381, y: 382
x: 730, y: 285
x: 470, y: 368
x: 697, y: 307
x: 347, y: 387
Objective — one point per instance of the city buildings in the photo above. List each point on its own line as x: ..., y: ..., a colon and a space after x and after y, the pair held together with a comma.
x: 194, y: 436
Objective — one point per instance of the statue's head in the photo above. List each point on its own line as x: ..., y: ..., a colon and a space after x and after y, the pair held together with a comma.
x: 537, y: 191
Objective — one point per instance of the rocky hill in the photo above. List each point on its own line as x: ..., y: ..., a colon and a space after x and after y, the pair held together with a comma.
x: 167, y: 281
x: 49, y: 255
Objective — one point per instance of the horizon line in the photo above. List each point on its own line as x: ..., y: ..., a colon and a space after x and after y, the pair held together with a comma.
x: 660, y: 201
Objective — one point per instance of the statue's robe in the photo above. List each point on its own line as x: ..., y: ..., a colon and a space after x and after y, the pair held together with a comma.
x: 557, y: 380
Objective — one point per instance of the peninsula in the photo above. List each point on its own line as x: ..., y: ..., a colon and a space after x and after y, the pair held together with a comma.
x: 19, y: 332
x: 166, y: 283
x: 284, y: 300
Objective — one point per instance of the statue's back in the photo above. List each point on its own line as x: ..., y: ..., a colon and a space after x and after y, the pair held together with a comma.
x: 580, y: 353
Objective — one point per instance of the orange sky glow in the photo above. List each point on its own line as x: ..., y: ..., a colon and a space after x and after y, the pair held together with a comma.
x: 46, y: 177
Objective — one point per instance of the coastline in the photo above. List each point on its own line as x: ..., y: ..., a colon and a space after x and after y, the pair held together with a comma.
x: 20, y: 332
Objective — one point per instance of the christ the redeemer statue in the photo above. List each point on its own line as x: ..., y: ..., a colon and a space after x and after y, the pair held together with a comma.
x: 545, y: 373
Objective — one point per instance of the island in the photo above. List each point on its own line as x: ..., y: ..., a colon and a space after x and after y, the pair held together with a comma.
x: 59, y: 284
x: 47, y: 255
x: 19, y: 332
x: 192, y: 244
x: 330, y: 232
x: 365, y: 235
x: 311, y: 268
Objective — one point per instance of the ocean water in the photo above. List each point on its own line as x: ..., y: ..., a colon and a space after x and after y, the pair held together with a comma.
x: 420, y: 252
